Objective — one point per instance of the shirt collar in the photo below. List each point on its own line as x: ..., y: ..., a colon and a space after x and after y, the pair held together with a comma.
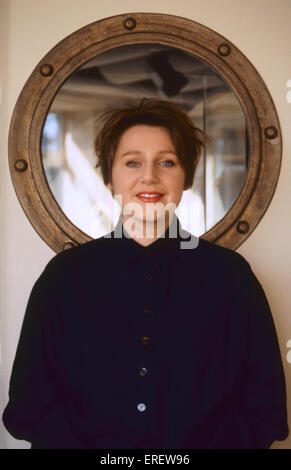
x: 174, y: 237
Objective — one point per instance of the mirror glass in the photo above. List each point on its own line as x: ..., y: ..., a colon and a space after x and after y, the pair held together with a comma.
x: 123, y: 76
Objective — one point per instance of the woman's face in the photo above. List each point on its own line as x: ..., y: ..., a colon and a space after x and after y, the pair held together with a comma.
x: 147, y: 170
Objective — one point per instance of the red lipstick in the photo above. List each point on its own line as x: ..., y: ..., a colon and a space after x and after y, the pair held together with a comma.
x: 149, y: 196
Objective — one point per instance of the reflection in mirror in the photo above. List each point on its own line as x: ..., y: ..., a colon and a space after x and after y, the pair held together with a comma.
x: 122, y: 76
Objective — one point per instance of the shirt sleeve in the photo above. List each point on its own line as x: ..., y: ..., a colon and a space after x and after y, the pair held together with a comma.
x: 35, y: 410
x: 261, y: 416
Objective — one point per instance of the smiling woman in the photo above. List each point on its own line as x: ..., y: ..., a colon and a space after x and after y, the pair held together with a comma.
x: 132, y: 342
x: 148, y: 153
x: 150, y: 180
x: 119, y: 60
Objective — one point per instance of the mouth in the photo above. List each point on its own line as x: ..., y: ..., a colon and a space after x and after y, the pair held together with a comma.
x: 149, y: 196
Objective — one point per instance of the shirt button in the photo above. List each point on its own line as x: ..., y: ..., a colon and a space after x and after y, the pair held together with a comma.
x: 143, y: 371
x: 141, y: 407
x: 137, y: 442
x: 147, y: 308
x: 148, y: 277
x: 145, y: 339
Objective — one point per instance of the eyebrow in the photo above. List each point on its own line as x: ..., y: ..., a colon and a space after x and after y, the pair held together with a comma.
x: 138, y: 152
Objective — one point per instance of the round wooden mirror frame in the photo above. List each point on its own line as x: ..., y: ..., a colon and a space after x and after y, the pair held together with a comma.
x: 34, y: 101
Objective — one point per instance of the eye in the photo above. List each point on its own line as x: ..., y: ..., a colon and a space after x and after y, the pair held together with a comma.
x: 131, y: 164
x: 168, y: 163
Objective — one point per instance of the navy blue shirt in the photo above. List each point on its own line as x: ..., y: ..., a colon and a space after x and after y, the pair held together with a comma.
x: 127, y: 346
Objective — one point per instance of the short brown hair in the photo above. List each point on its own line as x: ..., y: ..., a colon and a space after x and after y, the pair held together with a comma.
x: 187, y: 139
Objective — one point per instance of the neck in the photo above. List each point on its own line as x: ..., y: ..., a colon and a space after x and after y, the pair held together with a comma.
x: 145, y: 232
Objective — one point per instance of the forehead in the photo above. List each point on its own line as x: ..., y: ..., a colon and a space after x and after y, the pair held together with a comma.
x: 143, y: 133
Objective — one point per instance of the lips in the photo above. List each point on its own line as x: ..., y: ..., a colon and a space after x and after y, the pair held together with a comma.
x: 149, y: 196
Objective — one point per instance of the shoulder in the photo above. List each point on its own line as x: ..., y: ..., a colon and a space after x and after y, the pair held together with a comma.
x: 218, y: 261
x: 220, y: 253
x: 87, y: 256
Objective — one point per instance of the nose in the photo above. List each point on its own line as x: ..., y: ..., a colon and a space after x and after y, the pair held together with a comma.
x: 149, y: 173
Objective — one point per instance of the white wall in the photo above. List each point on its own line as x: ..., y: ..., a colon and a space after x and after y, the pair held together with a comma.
x: 29, y: 29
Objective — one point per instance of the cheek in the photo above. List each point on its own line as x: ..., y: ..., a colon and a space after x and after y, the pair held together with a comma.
x: 122, y: 183
x: 179, y: 189
x: 176, y: 190
x: 118, y: 179
x: 178, y: 181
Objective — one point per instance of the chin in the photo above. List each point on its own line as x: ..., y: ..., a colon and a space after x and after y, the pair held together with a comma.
x: 159, y: 222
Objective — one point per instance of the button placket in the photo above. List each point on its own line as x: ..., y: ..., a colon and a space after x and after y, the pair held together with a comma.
x: 147, y: 309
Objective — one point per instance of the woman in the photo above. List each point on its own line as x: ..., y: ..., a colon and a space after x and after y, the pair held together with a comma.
x: 142, y: 338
